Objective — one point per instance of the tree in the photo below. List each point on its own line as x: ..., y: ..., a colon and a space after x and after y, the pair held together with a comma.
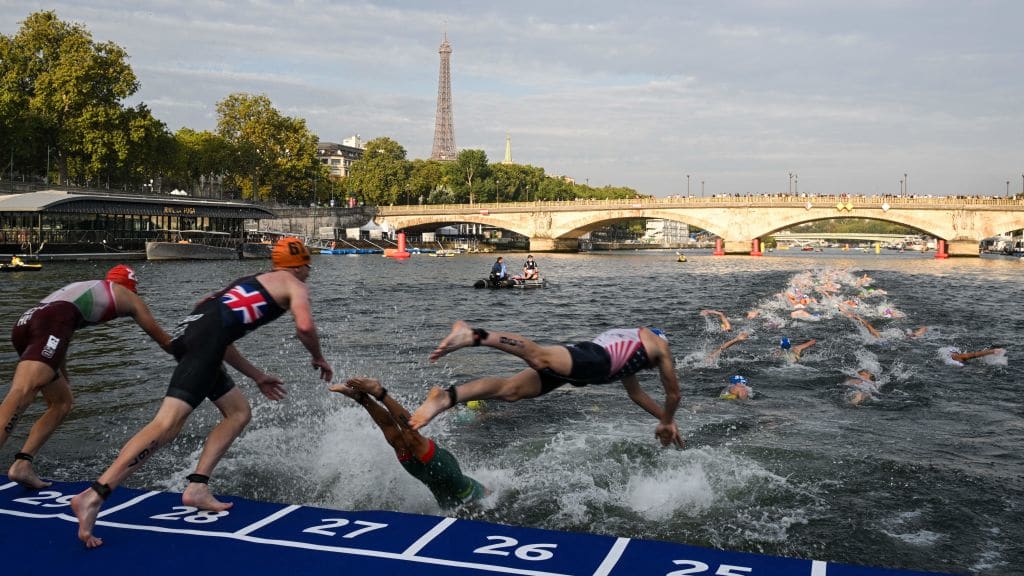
x: 275, y: 154
x: 425, y: 176
x: 202, y: 158
x: 380, y: 177
x: 471, y: 165
x: 57, y: 86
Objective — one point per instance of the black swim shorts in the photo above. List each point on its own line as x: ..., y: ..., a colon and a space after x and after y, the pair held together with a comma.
x: 591, y: 364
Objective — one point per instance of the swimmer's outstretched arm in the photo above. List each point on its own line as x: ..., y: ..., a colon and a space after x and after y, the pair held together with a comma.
x: 726, y: 326
x: 965, y: 356
x: 739, y: 338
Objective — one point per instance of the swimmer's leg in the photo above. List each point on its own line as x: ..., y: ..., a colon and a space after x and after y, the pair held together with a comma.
x: 525, y: 384
x: 236, y: 414
x: 161, y: 430
x: 539, y: 357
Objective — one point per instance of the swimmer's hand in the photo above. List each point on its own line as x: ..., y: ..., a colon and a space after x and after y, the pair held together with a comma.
x: 271, y: 387
x: 668, y: 434
x: 326, y: 372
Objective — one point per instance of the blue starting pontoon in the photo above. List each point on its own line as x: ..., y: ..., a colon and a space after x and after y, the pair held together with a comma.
x: 153, y: 533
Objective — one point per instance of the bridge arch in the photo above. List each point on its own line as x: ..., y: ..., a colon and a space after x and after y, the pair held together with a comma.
x: 961, y: 222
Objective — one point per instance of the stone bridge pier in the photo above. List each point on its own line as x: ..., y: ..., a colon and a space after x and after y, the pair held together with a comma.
x: 554, y: 245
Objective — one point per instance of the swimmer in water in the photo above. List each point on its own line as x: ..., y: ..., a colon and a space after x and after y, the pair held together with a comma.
x: 867, y: 325
x: 717, y: 351
x: 960, y: 357
x: 862, y: 388
x: 420, y: 456
x: 723, y: 320
x: 737, y: 389
x: 792, y: 353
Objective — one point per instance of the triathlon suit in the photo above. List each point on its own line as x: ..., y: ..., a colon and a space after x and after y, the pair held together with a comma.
x: 611, y: 356
x: 43, y: 333
x: 530, y: 266
x: 202, y: 337
x: 439, y: 470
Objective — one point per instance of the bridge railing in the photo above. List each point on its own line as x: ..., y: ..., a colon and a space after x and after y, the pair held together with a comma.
x: 752, y: 200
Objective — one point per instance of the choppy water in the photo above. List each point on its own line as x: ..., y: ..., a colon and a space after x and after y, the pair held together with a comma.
x: 927, y: 476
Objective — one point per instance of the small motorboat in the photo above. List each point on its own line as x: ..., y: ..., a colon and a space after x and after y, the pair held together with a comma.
x: 514, y: 282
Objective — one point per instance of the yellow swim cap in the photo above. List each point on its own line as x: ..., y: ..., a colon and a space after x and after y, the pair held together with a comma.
x: 475, y: 404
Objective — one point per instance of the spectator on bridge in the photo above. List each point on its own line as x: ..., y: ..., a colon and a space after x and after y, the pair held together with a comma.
x: 530, y: 269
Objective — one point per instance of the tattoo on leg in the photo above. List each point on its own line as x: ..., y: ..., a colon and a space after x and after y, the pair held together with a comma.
x: 510, y: 341
x: 10, y: 425
x: 146, y: 453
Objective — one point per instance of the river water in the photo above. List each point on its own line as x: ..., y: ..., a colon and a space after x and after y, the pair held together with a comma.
x: 927, y: 475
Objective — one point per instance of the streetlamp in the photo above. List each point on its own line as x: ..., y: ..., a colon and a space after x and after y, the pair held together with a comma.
x: 47, y: 164
x: 901, y: 187
x: 796, y: 184
x: 1007, y: 188
x: 790, y: 190
x: 701, y: 188
x: 688, y: 184
x: 906, y: 185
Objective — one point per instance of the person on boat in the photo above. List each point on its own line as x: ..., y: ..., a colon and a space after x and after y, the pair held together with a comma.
x: 792, y: 353
x: 499, y: 271
x: 16, y: 261
x: 420, y: 456
x: 530, y: 269
x: 201, y: 343
x: 737, y: 389
x: 616, y: 354
x: 41, y: 338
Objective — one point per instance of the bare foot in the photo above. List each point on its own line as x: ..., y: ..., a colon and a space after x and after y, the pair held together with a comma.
x: 86, y: 505
x: 198, y: 494
x: 22, y: 473
x: 437, y: 401
x: 460, y: 337
x: 368, y: 385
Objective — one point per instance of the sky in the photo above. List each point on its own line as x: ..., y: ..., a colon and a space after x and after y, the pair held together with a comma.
x: 846, y: 96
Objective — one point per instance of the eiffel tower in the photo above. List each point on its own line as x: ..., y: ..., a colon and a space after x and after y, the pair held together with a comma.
x: 444, y: 130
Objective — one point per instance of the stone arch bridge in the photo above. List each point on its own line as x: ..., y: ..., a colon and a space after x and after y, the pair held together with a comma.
x: 738, y: 220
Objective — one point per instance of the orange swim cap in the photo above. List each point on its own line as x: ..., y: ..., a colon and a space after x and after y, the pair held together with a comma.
x: 124, y: 276
x: 289, y: 252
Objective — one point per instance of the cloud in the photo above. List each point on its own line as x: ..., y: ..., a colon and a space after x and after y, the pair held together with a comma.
x: 849, y: 94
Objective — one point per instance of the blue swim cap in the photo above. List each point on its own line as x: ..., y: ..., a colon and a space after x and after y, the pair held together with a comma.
x: 784, y: 343
x: 659, y: 333
x: 737, y: 379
